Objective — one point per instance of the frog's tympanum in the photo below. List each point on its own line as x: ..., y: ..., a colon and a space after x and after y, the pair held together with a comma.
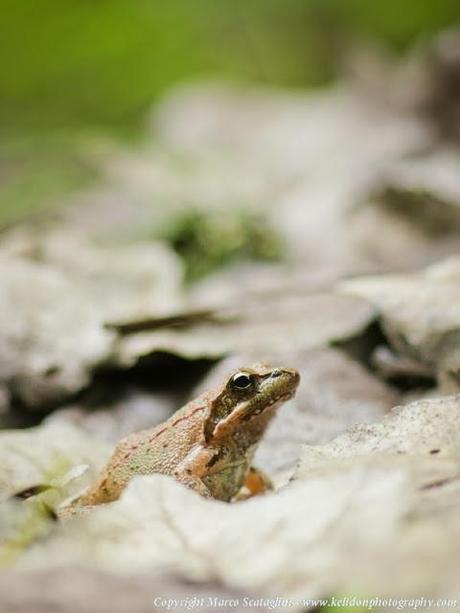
x: 207, y: 445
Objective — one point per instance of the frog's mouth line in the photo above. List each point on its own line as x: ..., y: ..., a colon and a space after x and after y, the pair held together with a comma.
x: 244, y: 413
x: 266, y: 407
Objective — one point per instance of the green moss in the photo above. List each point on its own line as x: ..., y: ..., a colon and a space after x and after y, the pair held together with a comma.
x: 36, y: 514
x: 209, y: 240
x: 37, y: 519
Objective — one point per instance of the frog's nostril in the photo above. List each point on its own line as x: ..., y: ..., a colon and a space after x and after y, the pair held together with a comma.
x: 276, y: 373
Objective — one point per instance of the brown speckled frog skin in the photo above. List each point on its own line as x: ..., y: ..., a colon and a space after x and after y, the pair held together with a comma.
x: 208, y: 444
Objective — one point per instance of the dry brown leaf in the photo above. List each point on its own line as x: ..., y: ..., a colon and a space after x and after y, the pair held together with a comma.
x: 56, y: 292
x: 421, y: 428
x: 419, y: 313
x: 280, y: 544
x: 45, y: 454
x: 273, y: 325
x: 356, y: 525
x: 416, y: 199
x: 352, y: 531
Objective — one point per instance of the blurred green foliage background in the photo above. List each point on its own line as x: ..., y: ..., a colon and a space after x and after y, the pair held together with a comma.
x: 73, y: 68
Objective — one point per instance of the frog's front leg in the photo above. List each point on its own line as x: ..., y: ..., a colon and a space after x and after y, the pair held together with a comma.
x: 194, y: 483
x: 189, y: 471
x: 257, y: 482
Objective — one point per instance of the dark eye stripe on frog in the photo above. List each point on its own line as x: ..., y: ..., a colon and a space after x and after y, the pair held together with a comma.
x: 215, y: 458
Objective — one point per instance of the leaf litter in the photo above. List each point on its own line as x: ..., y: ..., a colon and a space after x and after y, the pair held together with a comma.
x: 366, y: 498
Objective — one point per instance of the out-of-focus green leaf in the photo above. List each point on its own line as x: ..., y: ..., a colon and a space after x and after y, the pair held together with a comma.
x: 103, y: 62
x: 210, y: 239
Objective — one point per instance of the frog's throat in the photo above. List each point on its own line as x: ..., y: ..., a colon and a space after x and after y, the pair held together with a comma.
x: 244, y: 413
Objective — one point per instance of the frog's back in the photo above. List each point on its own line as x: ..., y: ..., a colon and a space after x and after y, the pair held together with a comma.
x: 158, y: 450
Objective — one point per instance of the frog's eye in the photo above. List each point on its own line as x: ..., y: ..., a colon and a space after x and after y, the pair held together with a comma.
x: 242, y: 382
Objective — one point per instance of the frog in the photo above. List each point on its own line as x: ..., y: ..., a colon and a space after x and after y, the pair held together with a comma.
x: 208, y: 445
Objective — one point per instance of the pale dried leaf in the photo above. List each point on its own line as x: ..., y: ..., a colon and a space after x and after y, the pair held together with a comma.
x: 417, y: 200
x: 280, y: 324
x: 350, y: 521
x: 289, y: 542
x: 419, y: 312
x: 424, y: 427
x: 43, y: 455
x: 56, y: 293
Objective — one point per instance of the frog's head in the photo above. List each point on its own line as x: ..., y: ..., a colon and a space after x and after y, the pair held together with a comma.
x: 248, y: 393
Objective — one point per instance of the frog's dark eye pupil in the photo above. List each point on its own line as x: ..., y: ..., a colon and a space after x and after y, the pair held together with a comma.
x: 242, y: 381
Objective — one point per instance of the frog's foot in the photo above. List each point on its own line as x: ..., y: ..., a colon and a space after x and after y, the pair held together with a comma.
x: 256, y: 482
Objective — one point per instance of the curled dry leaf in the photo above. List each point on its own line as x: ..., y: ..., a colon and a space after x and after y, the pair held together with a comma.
x: 56, y: 292
x: 273, y: 325
x: 39, y: 468
x: 417, y: 200
x: 45, y: 454
x: 425, y: 190
x: 419, y: 313
x: 424, y: 427
x: 423, y: 439
x: 317, y: 536
x: 289, y: 542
